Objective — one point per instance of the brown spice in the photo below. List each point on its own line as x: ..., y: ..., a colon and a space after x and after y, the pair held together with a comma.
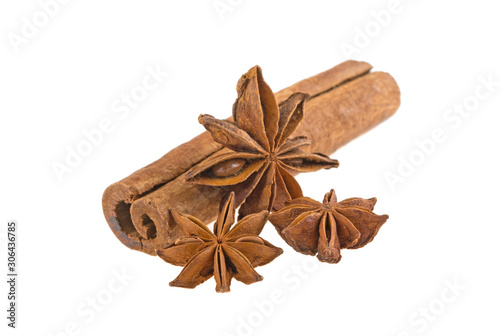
x: 345, y: 102
x: 312, y: 227
x: 229, y: 252
x: 262, y: 159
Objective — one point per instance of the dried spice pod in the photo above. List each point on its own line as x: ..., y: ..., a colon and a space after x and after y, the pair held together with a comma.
x: 345, y: 102
x: 311, y: 227
x: 262, y: 159
x: 229, y: 252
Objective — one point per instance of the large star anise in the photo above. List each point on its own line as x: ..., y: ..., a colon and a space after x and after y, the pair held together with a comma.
x: 312, y: 227
x: 224, y: 254
x: 259, y: 158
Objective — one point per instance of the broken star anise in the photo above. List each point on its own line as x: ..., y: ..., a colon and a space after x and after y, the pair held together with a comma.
x: 224, y: 254
x: 259, y: 158
x: 312, y: 227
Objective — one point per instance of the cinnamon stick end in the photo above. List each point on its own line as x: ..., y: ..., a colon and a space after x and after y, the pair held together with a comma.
x: 116, y: 203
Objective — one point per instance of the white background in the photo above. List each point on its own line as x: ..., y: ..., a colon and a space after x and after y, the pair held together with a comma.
x: 443, y: 226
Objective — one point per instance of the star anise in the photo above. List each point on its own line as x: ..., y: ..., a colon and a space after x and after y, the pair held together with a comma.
x: 259, y: 158
x: 312, y: 227
x: 224, y: 254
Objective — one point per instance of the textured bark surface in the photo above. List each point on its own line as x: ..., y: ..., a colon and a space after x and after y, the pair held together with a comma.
x: 346, y: 101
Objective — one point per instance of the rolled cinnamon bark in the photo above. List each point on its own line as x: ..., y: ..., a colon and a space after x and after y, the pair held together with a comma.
x: 346, y: 101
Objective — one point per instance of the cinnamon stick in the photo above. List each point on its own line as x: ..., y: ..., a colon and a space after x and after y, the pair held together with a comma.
x: 346, y: 101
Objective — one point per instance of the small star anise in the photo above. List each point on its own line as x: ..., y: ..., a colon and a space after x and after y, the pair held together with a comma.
x: 224, y: 254
x: 312, y: 227
x: 259, y: 158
